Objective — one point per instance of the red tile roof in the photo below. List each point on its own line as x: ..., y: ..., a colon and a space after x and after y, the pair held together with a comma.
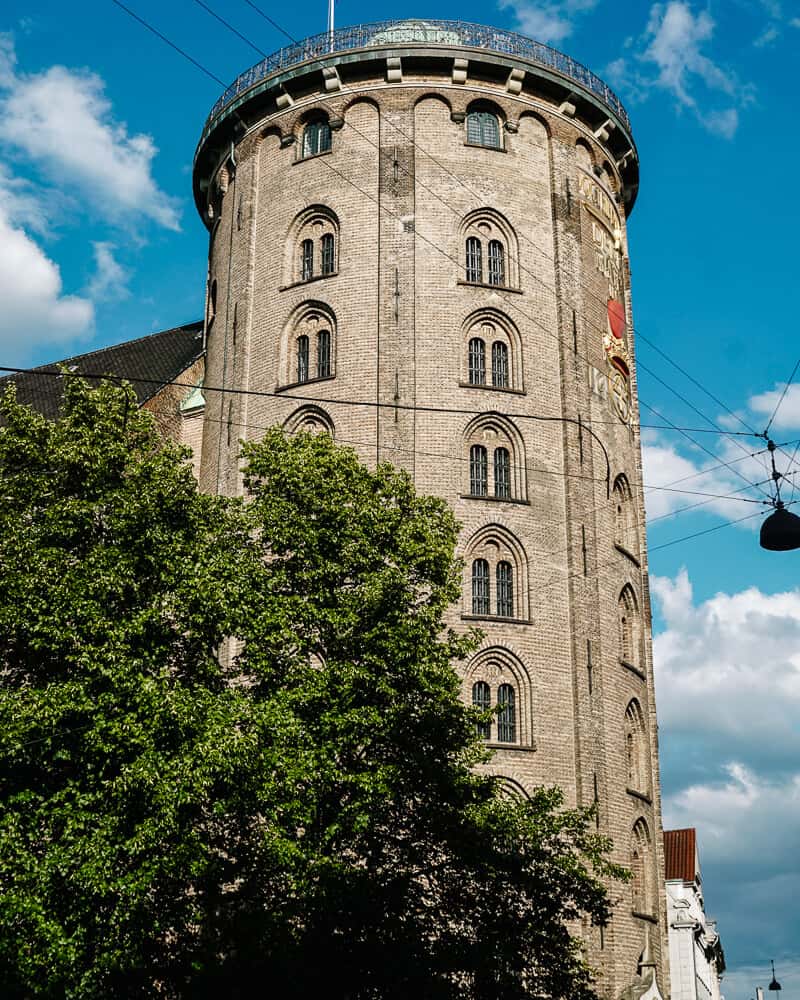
x: 680, y: 854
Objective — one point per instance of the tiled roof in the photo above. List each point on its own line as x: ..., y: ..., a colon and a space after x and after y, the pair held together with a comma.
x: 147, y: 363
x: 680, y: 854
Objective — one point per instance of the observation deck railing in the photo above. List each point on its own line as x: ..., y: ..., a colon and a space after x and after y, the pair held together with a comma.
x: 405, y: 32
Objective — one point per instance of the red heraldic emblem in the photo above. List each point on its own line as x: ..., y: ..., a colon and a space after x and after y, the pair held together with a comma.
x: 618, y: 358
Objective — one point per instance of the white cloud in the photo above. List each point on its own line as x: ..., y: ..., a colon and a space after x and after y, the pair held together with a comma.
x: 788, y: 416
x: 63, y: 121
x: 110, y: 279
x: 550, y: 20
x: 672, y: 58
x: 728, y: 670
x: 767, y: 36
x: 35, y: 310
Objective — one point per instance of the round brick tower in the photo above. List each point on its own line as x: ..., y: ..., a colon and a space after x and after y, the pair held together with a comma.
x: 418, y: 245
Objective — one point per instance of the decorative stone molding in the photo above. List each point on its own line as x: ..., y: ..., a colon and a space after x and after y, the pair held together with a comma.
x: 394, y: 70
x: 331, y: 77
x: 460, y: 70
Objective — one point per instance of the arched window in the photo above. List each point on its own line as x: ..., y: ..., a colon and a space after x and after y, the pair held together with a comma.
x: 497, y: 265
x: 500, y: 365
x: 624, y: 516
x: 328, y: 254
x: 628, y: 616
x: 506, y: 715
x: 502, y: 474
x: 312, y: 245
x: 323, y: 353
x: 505, y: 590
x: 316, y: 138
x: 212, y: 306
x: 477, y: 361
x: 636, y: 748
x: 474, y: 259
x: 482, y: 700
x: 642, y: 897
x: 483, y: 129
x: 478, y: 471
x: 302, y: 358
x: 307, y: 259
x: 480, y: 587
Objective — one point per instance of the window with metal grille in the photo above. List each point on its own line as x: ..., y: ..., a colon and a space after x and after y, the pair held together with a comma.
x: 307, y: 259
x: 302, y: 358
x: 474, y: 259
x: 497, y: 263
x: 323, y: 353
x: 500, y: 364
x: 483, y: 129
x: 478, y: 471
x: 480, y: 587
x: 328, y: 254
x: 477, y: 362
x: 482, y: 700
x: 506, y: 715
x: 505, y: 590
x: 502, y: 474
x: 316, y: 138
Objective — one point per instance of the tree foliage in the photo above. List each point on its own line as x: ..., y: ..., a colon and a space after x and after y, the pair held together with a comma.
x: 232, y: 749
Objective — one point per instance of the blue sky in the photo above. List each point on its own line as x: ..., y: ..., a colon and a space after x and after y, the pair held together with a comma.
x: 99, y: 242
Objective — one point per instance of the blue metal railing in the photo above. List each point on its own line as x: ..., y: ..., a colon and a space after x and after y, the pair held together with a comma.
x: 405, y: 32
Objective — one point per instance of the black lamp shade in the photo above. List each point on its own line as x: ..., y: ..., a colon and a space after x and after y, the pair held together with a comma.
x: 781, y: 531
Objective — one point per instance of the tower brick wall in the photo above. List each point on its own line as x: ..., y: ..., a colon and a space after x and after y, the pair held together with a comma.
x: 401, y: 190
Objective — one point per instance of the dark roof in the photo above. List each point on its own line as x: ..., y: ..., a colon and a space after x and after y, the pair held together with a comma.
x: 680, y: 854
x: 148, y: 364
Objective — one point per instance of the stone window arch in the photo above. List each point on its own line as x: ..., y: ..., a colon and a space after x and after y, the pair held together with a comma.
x: 625, y: 533
x: 308, y: 345
x: 484, y: 125
x: 641, y: 865
x: 492, y: 351
x: 309, y: 420
x: 490, y: 249
x: 315, y: 137
x: 629, y: 628
x: 312, y: 245
x: 636, y: 752
x: 497, y: 679
x: 496, y: 575
x: 496, y: 462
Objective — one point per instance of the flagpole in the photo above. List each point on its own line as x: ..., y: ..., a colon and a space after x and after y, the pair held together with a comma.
x: 330, y: 24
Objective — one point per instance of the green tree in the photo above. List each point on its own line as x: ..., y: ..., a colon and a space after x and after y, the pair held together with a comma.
x: 186, y: 813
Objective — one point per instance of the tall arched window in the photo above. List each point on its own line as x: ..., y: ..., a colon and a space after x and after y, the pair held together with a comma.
x: 316, y: 138
x: 474, y: 259
x: 502, y: 474
x: 478, y: 471
x: 482, y: 700
x: 505, y: 590
x: 500, y: 365
x: 302, y: 358
x: 636, y: 748
x: 506, y: 715
x: 328, y: 246
x: 323, y: 353
x: 624, y: 516
x: 483, y: 129
x: 642, y: 900
x: 628, y: 621
x: 307, y: 259
x: 480, y: 587
x: 477, y: 361
x: 497, y: 265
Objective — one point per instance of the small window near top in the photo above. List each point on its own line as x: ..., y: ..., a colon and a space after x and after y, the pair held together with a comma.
x: 302, y: 358
x: 483, y: 129
x: 316, y: 138
x: 307, y: 259
x: 328, y: 254
x: 323, y: 354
